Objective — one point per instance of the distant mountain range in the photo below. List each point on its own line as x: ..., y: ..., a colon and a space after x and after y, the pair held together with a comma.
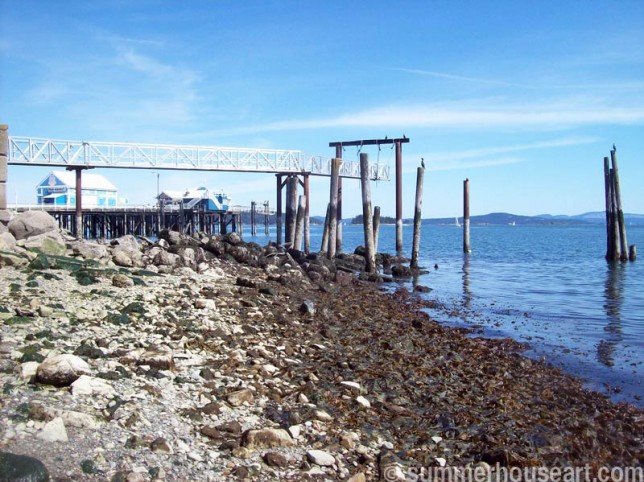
x: 598, y: 217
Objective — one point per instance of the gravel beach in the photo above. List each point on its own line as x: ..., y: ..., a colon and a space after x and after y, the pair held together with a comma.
x: 213, y: 359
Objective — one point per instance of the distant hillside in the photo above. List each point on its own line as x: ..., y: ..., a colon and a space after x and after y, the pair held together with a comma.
x: 493, y: 219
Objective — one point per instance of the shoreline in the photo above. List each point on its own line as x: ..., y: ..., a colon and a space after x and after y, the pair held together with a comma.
x: 269, y: 348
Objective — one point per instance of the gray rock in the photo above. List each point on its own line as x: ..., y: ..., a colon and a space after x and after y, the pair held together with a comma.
x: 7, y: 241
x: 163, y: 258
x: 21, y: 468
x: 54, y: 431
x: 320, y: 457
x: 62, y: 370
x: 267, y: 438
x: 238, y: 398
x: 122, y: 281
x: 158, y: 357
x: 91, y: 250
x: 50, y: 243
x: 32, y: 223
x: 128, y: 242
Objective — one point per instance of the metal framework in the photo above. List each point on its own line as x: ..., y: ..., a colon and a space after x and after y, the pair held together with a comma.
x: 87, y: 154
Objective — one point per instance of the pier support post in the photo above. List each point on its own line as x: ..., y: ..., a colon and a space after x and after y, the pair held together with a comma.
x: 399, y: 223
x: 614, y: 223
x: 338, y: 235
x: 78, y: 218
x: 632, y: 253
x: 299, y: 224
x: 291, y: 209
x: 466, y: 216
x: 420, y: 174
x: 278, y: 214
x: 253, y: 221
x: 370, y: 255
x: 324, y: 247
x: 333, y: 209
x: 266, y: 220
x: 376, y: 228
x: 307, y: 216
x: 4, y: 159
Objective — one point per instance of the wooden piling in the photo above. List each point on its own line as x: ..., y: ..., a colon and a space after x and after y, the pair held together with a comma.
x: 420, y: 174
x: 338, y: 235
x: 266, y: 218
x: 333, y: 211
x: 253, y: 220
x: 4, y: 158
x: 370, y: 255
x: 376, y: 228
x: 616, y: 255
x: 466, y: 216
x: 623, y: 246
x: 299, y: 224
x: 610, y: 248
x: 307, y: 220
x: 399, y: 223
x: 79, y: 203
x: 632, y: 253
x: 325, y: 232
x: 278, y: 213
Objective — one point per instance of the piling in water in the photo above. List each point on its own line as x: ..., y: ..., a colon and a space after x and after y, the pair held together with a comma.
x: 299, y: 225
x: 333, y: 210
x: 370, y: 254
x: 466, y: 216
x: 376, y: 228
x: 420, y: 174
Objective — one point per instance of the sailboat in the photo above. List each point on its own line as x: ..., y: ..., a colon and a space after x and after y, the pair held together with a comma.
x: 456, y: 223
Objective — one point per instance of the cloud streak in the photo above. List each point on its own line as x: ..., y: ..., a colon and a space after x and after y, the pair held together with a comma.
x: 481, y: 115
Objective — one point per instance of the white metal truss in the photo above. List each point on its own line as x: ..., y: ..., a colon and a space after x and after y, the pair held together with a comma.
x: 49, y: 152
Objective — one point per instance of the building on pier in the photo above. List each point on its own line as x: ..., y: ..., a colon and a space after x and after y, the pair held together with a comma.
x: 59, y: 189
x: 198, y: 198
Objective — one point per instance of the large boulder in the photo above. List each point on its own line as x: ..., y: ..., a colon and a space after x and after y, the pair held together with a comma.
x: 62, y: 370
x: 51, y: 243
x: 32, y: 223
x: 90, y: 250
x: 14, y: 467
x: 7, y: 241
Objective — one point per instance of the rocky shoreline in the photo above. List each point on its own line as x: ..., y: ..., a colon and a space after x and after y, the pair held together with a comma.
x: 207, y: 358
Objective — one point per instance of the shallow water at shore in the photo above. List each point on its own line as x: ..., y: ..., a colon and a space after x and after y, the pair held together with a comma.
x: 546, y: 286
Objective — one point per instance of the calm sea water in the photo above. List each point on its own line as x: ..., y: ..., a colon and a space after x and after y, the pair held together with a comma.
x: 546, y: 286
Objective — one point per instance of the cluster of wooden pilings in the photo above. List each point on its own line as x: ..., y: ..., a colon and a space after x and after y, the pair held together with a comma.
x: 616, y: 242
x: 145, y: 222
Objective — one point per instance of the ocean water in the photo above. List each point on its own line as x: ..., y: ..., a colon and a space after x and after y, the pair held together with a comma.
x: 546, y: 286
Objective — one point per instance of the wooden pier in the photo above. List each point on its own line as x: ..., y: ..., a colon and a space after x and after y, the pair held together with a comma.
x: 113, y: 222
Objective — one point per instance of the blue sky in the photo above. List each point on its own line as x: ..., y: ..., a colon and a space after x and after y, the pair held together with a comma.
x: 523, y: 98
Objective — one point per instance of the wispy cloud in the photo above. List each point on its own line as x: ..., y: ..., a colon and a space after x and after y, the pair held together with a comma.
x: 461, y: 78
x: 494, y: 151
x: 451, y: 165
x: 480, y: 115
x: 129, y: 40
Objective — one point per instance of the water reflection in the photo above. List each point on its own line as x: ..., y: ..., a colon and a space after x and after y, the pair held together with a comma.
x: 613, y: 297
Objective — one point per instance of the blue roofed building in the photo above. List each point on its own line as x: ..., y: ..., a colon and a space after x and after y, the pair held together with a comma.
x: 197, y: 198
x: 59, y: 189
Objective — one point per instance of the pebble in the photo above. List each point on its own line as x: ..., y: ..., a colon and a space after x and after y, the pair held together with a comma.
x: 320, y: 457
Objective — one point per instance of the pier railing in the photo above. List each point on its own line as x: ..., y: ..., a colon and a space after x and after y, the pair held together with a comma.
x: 50, y: 152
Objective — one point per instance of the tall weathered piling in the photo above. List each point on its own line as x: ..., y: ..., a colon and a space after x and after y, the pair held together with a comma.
x: 253, y: 218
x: 399, y: 223
x: 376, y: 228
x: 4, y: 158
x: 79, y: 203
x: 420, y: 174
x: 623, y: 243
x: 299, y: 224
x: 370, y: 254
x: 278, y: 213
x: 338, y: 235
x: 608, y: 191
x: 466, y: 216
x: 333, y: 210
x: 291, y: 209
x: 325, y: 232
x: 616, y: 242
x: 307, y: 216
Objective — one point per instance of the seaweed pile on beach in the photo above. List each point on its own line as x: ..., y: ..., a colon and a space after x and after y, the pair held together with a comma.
x: 207, y: 358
